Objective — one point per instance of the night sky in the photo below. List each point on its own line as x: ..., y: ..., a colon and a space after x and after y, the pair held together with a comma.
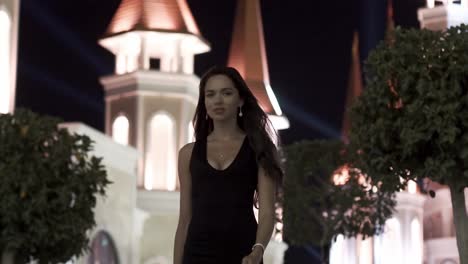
x: 308, y: 51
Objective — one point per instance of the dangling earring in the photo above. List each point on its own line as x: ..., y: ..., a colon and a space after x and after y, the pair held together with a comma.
x: 240, y: 111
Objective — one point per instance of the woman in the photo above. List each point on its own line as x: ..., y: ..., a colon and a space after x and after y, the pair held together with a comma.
x: 232, y: 165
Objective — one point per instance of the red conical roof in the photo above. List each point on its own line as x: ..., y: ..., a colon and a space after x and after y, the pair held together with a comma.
x: 354, y: 85
x: 157, y: 15
x: 247, y: 52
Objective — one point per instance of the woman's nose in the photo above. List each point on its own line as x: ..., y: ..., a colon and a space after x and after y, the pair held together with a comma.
x: 218, y: 98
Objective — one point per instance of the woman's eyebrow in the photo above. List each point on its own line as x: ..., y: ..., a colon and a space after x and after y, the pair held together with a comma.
x: 222, y: 89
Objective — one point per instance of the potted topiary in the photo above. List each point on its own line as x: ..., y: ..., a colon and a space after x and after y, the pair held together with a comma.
x: 48, y: 188
x: 411, y: 121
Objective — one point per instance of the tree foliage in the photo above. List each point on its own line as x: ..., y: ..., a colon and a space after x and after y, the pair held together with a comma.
x: 411, y: 121
x: 316, y: 208
x: 48, y: 187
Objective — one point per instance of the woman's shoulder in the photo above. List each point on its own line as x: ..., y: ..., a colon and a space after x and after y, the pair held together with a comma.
x: 185, y: 153
x: 187, y: 148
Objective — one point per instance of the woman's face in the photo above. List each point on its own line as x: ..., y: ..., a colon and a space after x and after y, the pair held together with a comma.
x: 221, y: 98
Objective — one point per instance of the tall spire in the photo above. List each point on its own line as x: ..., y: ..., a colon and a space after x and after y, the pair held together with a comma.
x: 355, y: 81
x: 247, y: 54
x: 354, y: 86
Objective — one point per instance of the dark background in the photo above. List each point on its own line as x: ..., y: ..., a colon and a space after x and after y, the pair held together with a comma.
x: 308, y: 49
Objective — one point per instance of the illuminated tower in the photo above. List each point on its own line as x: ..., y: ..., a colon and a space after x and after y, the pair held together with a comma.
x: 9, y: 20
x: 150, y: 102
x: 152, y: 96
x: 247, y: 54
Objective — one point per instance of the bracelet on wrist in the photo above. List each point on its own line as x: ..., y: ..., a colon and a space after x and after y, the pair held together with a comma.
x: 259, y: 245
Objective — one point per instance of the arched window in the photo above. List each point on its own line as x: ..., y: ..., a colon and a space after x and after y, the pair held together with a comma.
x: 387, y: 246
x: 416, y: 241
x: 103, y: 249
x: 5, y: 85
x: 160, y: 163
x: 120, y: 129
x: 412, y: 186
x: 337, y: 251
x: 365, y: 251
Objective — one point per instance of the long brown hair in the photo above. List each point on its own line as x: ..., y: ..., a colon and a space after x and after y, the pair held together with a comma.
x: 254, y: 122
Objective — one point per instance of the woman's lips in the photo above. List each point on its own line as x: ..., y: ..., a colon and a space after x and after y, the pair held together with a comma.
x: 218, y: 110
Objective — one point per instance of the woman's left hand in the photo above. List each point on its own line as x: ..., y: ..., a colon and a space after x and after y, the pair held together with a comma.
x: 253, y: 258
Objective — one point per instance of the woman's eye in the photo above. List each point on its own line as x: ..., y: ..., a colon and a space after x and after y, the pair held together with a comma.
x: 228, y: 93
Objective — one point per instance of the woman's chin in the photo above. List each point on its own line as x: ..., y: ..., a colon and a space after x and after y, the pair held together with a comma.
x: 221, y: 118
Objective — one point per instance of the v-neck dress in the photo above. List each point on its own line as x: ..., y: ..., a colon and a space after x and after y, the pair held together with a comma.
x: 223, y: 226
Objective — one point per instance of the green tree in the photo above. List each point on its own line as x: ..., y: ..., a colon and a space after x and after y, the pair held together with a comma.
x: 411, y: 121
x: 48, y: 187
x: 324, y: 196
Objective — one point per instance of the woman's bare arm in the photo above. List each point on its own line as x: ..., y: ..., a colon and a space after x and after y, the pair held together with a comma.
x: 185, y: 211
x: 266, y: 212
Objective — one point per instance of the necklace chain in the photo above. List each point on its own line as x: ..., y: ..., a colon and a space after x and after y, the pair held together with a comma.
x: 221, y: 156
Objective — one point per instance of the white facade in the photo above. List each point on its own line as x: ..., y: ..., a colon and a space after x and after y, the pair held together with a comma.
x: 444, y: 15
x: 117, y: 213
x: 401, y: 242
x: 9, y: 21
x: 134, y: 50
x: 439, y: 230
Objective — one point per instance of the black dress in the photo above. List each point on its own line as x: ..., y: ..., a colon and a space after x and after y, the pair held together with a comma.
x: 223, y: 226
